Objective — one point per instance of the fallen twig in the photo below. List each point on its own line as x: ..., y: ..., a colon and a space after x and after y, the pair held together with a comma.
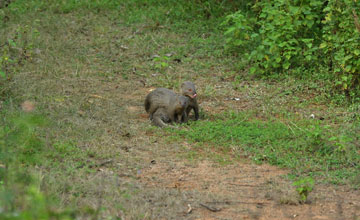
x: 211, y: 208
x: 189, y: 209
x: 104, y: 162
x: 248, y: 185
x: 356, y: 20
x: 96, y: 165
x: 239, y: 202
x: 96, y: 96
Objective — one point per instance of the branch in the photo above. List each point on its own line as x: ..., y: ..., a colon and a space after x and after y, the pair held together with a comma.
x: 356, y: 20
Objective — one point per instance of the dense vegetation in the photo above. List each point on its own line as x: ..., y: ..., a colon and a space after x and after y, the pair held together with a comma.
x: 315, y: 42
x: 312, y: 39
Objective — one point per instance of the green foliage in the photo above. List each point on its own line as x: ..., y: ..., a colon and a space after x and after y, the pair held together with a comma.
x: 341, y: 44
x: 17, y: 48
x: 64, y: 6
x: 299, y: 37
x: 21, y: 139
x: 307, y: 147
x: 21, y: 149
x: 161, y: 63
x: 283, y: 35
x: 304, y: 186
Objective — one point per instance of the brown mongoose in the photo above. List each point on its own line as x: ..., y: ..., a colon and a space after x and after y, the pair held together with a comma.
x: 171, y: 104
x: 188, y: 90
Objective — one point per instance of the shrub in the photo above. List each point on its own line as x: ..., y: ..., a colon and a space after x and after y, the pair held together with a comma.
x: 341, y: 44
x: 298, y: 37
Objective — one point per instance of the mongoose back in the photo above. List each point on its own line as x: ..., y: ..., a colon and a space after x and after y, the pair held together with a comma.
x: 188, y: 90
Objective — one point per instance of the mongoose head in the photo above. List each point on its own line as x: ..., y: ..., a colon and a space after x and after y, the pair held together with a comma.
x: 183, y: 101
x: 188, y: 89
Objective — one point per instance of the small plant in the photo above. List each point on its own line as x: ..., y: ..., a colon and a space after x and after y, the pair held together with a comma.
x: 162, y: 66
x: 161, y: 63
x: 304, y: 186
x: 316, y: 140
x: 340, y: 142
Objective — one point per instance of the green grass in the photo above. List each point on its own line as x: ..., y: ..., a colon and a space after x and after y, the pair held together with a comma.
x: 307, y: 147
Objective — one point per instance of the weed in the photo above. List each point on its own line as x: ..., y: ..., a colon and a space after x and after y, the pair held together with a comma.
x: 304, y: 186
x: 161, y: 63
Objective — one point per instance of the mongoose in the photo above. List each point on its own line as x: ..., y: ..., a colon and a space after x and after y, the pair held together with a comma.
x: 188, y: 90
x: 173, y: 106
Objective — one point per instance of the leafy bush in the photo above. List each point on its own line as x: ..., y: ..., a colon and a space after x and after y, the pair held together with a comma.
x: 299, y: 37
x: 21, y: 149
x: 282, y: 33
x: 341, y: 44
